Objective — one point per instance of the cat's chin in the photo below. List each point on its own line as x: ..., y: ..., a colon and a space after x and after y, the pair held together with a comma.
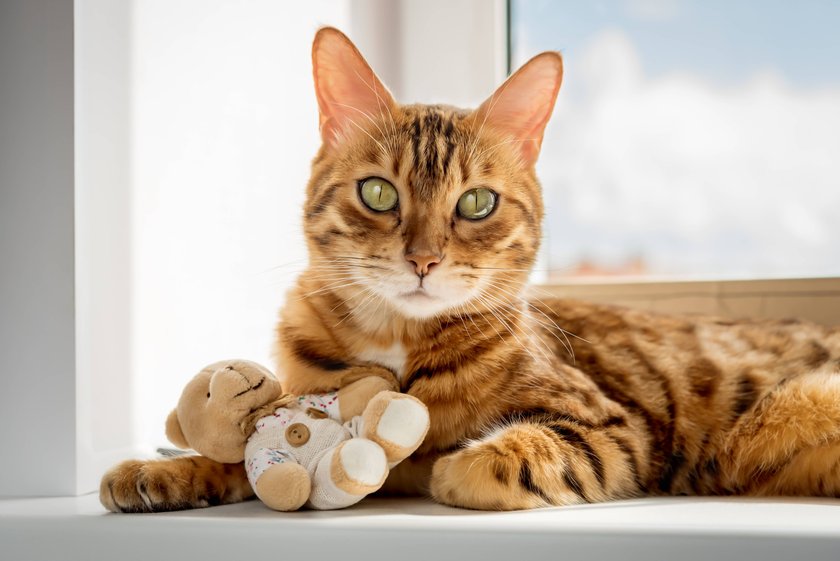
x: 420, y: 304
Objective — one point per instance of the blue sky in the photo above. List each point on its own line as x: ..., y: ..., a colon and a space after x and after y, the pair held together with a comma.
x: 699, y: 136
x: 721, y: 41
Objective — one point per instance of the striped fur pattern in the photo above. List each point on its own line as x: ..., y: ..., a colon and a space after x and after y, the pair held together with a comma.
x: 537, y: 403
x: 532, y: 402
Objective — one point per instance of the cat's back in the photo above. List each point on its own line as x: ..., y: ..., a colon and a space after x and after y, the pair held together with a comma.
x: 600, y: 335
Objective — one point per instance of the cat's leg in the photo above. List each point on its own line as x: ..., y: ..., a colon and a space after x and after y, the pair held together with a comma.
x: 789, y: 444
x: 542, y: 462
x: 173, y: 484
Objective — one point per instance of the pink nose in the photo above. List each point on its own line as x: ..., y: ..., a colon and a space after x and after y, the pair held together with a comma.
x: 422, y: 261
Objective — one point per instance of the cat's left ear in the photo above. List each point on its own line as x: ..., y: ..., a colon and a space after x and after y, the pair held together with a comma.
x: 520, y: 108
x: 348, y: 91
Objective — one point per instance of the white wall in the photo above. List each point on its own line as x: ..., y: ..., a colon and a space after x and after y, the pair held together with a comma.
x: 452, y: 51
x: 64, y: 243
x: 434, y: 51
x: 224, y: 127
x: 104, y: 415
x: 37, y: 331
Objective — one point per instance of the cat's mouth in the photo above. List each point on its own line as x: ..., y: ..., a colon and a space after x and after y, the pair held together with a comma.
x: 417, y: 294
x: 423, y: 303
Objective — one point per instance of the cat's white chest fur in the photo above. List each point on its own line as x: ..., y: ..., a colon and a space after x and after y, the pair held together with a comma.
x: 392, y: 357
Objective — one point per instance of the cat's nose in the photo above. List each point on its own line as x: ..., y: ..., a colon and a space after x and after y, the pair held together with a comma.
x: 422, y: 261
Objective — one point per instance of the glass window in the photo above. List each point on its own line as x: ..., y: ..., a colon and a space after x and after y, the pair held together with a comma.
x: 692, y: 138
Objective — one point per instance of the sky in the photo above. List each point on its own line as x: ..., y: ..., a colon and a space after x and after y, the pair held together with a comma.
x: 720, y: 40
x: 701, y: 137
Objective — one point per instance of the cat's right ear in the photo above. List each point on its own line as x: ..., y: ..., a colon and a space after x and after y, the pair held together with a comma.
x: 348, y: 92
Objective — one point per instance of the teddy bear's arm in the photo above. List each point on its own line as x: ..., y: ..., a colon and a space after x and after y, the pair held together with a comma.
x: 346, y: 403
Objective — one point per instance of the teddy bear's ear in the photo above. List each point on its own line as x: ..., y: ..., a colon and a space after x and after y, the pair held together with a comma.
x: 174, y: 432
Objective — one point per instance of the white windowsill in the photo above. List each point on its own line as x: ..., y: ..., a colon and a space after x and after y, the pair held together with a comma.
x: 662, y: 528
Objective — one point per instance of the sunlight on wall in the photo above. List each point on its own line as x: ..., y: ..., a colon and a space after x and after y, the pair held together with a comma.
x: 224, y: 127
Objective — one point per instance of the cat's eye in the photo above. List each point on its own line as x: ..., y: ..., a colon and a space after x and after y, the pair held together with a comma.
x: 378, y: 194
x: 476, y: 204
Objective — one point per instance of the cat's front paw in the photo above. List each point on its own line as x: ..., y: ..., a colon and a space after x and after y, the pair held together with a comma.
x: 481, y: 477
x: 518, y: 467
x: 175, y: 484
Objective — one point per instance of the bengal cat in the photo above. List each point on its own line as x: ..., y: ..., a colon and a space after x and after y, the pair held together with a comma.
x: 422, y: 222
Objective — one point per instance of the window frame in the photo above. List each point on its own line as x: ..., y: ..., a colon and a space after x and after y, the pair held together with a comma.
x: 816, y: 299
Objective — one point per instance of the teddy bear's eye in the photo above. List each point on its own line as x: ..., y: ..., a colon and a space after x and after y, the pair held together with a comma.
x: 208, y: 395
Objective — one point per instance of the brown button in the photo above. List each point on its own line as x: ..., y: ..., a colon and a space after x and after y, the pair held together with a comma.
x: 297, y: 434
x: 316, y: 413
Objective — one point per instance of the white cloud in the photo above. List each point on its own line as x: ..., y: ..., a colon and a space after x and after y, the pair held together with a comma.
x: 698, y: 178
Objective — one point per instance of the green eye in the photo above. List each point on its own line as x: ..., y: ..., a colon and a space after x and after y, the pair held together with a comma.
x: 476, y: 204
x: 378, y: 194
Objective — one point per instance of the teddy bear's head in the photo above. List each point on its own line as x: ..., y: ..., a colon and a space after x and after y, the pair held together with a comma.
x: 215, y: 408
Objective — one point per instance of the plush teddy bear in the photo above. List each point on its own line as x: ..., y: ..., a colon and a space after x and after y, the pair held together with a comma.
x: 296, y: 449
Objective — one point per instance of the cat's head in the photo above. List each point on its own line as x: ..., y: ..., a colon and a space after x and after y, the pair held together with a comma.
x: 427, y: 209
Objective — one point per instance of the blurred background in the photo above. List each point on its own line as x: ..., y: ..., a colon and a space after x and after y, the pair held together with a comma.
x: 692, y: 138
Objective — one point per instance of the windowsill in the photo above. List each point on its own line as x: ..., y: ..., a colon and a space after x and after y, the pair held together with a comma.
x: 815, y: 299
x: 668, y: 528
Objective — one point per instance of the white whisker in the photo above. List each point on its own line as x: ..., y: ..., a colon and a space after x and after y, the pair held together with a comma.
x: 490, y: 308
x: 566, y: 343
x: 505, y: 304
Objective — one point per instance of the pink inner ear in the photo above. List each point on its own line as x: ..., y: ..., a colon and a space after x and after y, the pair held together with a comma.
x: 347, y: 89
x: 520, y: 108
